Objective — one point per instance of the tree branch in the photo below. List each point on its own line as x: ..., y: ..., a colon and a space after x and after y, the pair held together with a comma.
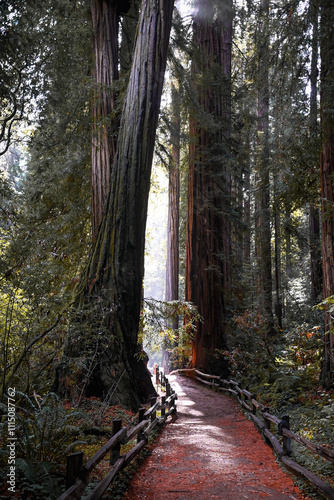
x: 27, y: 349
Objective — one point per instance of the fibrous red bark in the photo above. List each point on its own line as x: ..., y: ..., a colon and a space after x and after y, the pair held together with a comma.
x: 105, y: 122
x: 327, y: 179
x: 208, y: 230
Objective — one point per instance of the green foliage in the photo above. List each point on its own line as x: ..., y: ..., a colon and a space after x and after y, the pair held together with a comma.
x: 45, y: 433
x: 280, y: 368
x: 45, y: 194
x: 250, y: 346
x: 326, y: 304
x: 44, y: 429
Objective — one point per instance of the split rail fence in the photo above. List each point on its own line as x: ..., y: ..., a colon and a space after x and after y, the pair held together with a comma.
x: 78, y: 475
x: 283, y: 451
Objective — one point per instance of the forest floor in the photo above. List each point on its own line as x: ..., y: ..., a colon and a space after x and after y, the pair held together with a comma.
x: 210, y: 451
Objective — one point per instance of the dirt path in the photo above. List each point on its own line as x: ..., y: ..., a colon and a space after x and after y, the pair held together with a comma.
x: 210, y: 451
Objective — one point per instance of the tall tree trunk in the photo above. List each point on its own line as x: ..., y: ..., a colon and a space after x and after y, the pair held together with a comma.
x: 115, y: 272
x: 263, y: 231
x: 208, y: 231
x: 247, y: 219
x: 315, y: 255
x: 278, y: 303
x: 287, y: 231
x: 314, y: 217
x: 327, y: 179
x: 172, y: 264
x: 105, y: 20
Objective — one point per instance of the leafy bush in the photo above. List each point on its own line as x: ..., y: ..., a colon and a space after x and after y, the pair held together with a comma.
x: 44, y: 429
x: 251, y: 350
x: 45, y: 433
x: 280, y: 367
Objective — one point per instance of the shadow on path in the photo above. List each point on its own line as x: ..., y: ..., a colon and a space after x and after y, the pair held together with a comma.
x: 210, y: 451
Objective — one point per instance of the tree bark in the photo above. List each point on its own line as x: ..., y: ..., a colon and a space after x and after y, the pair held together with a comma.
x: 278, y: 302
x: 172, y: 263
x: 129, y: 26
x: 105, y: 126
x: 208, y: 230
x: 327, y: 179
x: 263, y: 230
x: 314, y: 217
x: 115, y: 272
x: 315, y: 255
x: 247, y: 219
x: 172, y: 266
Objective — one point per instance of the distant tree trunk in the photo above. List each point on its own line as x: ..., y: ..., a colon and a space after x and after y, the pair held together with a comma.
x: 278, y: 303
x: 247, y: 219
x: 263, y: 231
x: 105, y: 126
x: 115, y: 272
x: 327, y: 179
x: 314, y: 217
x: 315, y: 255
x: 287, y: 231
x: 208, y: 231
x: 172, y: 264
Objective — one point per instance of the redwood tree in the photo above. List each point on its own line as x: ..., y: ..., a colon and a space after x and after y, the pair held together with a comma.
x: 105, y: 19
x: 172, y: 264
x: 314, y: 218
x: 263, y: 231
x: 114, y: 275
x: 327, y: 178
x: 172, y: 261
x: 208, y: 233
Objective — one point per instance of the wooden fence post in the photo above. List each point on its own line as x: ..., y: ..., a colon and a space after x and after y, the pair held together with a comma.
x: 141, y: 413
x: 167, y: 389
x: 253, y: 405
x: 154, y: 414
x: 73, y: 466
x: 266, y: 423
x: 157, y: 376
x: 285, y: 424
x: 175, y: 410
x: 116, y: 451
x: 163, y: 409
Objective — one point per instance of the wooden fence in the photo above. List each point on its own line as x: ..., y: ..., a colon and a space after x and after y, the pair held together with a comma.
x: 78, y: 475
x: 264, y: 420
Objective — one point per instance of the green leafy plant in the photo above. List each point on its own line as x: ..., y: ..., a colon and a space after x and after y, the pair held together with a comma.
x: 45, y: 431
x: 251, y: 352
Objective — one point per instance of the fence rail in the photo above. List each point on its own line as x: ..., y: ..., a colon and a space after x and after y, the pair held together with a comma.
x: 263, y: 420
x: 78, y: 475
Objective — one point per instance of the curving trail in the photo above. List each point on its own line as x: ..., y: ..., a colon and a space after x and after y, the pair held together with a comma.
x: 210, y: 451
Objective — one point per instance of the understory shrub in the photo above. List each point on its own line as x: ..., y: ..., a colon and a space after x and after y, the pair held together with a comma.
x: 45, y: 433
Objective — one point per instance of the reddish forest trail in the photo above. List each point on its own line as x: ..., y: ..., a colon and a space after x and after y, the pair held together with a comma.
x: 210, y: 451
